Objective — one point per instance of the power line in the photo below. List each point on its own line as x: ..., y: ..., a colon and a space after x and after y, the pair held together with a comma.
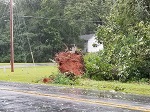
x: 89, y: 21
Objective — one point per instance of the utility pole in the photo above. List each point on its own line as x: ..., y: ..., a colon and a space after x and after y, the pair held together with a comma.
x: 11, y: 37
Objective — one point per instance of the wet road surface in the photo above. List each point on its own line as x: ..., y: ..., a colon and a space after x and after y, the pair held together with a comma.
x: 17, y: 97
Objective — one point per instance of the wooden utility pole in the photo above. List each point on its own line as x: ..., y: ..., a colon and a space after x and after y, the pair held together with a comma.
x: 11, y: 37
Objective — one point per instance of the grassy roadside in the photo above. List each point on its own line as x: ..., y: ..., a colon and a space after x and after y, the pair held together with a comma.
x: 27, y: 75
x: 4, y: 64
x: 35, y: 74
x: 133, y: 88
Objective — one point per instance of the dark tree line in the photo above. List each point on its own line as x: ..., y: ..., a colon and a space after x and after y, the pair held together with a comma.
x: 43, y: 26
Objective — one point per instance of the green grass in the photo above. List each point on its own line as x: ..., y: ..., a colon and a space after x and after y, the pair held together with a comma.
x: 36, y: 74
x: 134, y: 88
x: 29, y: 75
x: 4, y: 64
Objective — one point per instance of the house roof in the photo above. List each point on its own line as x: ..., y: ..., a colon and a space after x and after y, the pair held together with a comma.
x: 87, y: 37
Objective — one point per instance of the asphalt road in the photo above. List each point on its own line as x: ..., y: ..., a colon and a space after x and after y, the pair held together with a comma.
x: 17, y: 97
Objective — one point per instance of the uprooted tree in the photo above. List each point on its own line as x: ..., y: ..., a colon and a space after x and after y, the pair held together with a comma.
x: 70, y: 63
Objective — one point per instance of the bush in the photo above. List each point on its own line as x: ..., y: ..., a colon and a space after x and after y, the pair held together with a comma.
x: 63, y: 79
x: 97, y: 68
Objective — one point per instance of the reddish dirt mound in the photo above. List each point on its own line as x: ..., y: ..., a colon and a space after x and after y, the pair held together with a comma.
x: 46, y: 80
x: 70, y: 63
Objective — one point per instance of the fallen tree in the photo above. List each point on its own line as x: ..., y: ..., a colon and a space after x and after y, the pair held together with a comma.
x: 70, y: 63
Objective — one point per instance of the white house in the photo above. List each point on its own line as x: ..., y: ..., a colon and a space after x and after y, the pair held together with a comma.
x: 91, y: 44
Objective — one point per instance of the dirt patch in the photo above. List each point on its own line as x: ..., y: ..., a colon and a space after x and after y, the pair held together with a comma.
x: 70, y: 63
x: 47, y: 80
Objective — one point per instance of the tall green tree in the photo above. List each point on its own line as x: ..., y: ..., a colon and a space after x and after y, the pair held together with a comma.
x: 53, y: 10
x: 126, y: 38
x: 42, y: 27
x: 4, y: 33
x: 87, y: 14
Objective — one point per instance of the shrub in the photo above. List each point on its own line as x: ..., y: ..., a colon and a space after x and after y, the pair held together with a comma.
x: 97, y: 68
x: 63, y: 79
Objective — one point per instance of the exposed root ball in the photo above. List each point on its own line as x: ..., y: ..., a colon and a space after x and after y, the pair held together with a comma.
x: 69, y: 62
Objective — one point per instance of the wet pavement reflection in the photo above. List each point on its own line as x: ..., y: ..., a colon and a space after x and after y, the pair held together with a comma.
x: 12, y: 100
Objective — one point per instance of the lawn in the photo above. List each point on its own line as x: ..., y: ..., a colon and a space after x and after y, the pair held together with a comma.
x: 134, y: 88
x: 4, y: 64
x: 29, y: 75
x: 36, y: 74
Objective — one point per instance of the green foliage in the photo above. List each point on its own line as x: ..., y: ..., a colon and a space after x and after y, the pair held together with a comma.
x: 126, y: 41
x: 4, y: 27
x: 62, y: 79
x: 87, y: 14
x: 42, y: 27
x: 39, y: 28
x: 97, y: 68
